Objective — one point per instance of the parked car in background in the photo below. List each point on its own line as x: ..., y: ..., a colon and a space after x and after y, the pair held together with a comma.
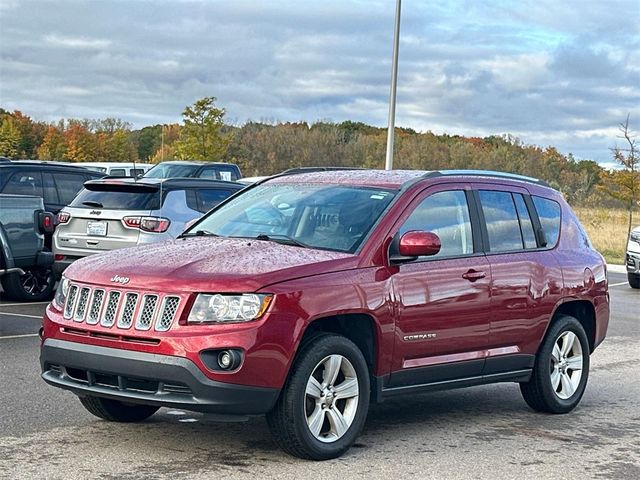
x: 182, y: 169
x: 116, y: 213
x: 117, y: 169
x: 55, y: 182
x: 633, y: 258
x: 308, y: 296
x: 25, y: 266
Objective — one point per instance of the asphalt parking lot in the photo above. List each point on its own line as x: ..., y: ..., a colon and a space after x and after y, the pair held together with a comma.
x: 480, y: 432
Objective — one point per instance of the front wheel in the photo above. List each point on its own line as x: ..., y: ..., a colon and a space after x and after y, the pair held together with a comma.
x: 35, y: 285
x: 561, y: 369
x: 115, y: 411
x: 324, y: 404
x: 634, y: 280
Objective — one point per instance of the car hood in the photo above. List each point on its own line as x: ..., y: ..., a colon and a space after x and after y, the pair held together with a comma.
x: 206, y: 264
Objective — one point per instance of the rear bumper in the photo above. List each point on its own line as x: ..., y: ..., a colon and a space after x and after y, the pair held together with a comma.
x: 146, y: 378
x: 59, y: 266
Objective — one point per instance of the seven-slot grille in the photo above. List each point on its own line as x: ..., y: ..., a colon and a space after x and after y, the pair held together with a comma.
x: 123, y: 309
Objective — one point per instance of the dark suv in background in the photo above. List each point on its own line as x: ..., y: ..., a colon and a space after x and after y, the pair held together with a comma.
x: 308, y: 296
x: 57, y: 184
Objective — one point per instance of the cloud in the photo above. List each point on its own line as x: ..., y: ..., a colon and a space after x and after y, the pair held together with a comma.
x: 548, y: 72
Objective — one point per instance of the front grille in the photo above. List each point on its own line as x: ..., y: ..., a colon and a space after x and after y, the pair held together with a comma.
x: 109, y: 316
x: 145, y: 317
x: 126, y: 315
x: 122, y: 309
x: 96, y: 303
x: 81, y: 308
x: 169, y: 310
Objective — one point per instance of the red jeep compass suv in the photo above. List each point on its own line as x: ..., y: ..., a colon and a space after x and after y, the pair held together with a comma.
x: 308, y: 296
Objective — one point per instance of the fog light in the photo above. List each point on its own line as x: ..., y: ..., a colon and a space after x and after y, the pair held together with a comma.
x: 225, y: 359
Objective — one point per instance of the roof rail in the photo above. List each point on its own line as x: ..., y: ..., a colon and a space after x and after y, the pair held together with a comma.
x: 487, y: 173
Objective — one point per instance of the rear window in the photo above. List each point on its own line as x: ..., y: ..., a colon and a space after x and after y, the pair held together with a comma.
x: 220, y: 172
x: 549, y: 214
x: 118, y: 200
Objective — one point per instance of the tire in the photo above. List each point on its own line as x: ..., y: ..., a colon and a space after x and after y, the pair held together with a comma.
x: 36, y: 285
x: 634, y: 280
x: 115, y: 411
x: 540, y: 393
x: 338, y: 423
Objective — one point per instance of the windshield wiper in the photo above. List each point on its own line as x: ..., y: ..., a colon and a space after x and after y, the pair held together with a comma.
x: 199, y: 233
x: 283, y: 239
x: 90, y: 203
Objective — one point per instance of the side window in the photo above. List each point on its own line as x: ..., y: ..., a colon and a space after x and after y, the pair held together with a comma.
x: 209, y: 198
x: 50, y: 192
x: 549, y: 214
x: 526, y: 227
x: 24, y: 183
x: 501, y: 218
x: 118, y: 172
x: 68, y: 184
x: 137, y: 171
x: 447, y: 215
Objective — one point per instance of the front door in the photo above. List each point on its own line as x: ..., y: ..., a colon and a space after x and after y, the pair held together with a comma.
x: 442, y: 318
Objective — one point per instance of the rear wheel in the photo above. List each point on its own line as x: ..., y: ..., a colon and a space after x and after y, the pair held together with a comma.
x: 561, y: 370
x: 634, y: 280
x: 115, y: 411
x: 35, y: 285
x: 323, y: 406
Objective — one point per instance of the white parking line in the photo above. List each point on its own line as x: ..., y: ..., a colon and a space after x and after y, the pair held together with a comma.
x: 9, y: 337
x: 21, y: 315
x: 617, y: 284
x: 20, y: 304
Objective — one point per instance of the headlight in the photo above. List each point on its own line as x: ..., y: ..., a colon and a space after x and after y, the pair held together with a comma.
x: 220, y: 308
x: 635, y: 237
x: 61, y: 293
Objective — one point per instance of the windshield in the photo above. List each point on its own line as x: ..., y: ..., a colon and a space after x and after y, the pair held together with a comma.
x: 171, y: 171
x: 329, y: 217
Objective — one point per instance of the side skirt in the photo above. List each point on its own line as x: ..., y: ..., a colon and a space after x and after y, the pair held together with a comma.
x: 380, y: 393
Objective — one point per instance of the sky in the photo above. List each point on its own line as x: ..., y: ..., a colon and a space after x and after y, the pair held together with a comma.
x: 551, y: 73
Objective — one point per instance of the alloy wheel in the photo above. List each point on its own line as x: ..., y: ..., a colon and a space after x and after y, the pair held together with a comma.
x: 566, y: 364
x: 331, y: 398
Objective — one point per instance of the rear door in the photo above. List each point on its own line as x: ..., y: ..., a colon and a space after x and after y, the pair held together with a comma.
x: 442, y: 320
x: 103, y: 218
x: 524, y: 277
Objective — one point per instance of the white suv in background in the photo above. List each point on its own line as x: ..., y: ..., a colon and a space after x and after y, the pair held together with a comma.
x: 633, y: 258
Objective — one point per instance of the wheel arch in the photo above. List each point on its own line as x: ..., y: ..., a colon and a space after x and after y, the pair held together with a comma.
x: 581, y: 310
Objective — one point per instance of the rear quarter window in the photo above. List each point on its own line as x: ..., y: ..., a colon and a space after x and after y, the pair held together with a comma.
x: 549, y: 214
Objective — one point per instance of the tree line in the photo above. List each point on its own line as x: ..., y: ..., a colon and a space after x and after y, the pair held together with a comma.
x: 263, y: 148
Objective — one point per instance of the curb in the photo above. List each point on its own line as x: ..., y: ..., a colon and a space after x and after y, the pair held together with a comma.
x: 617, y: 268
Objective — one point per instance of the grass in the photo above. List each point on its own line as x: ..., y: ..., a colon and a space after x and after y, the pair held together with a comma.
x: 607, y: 229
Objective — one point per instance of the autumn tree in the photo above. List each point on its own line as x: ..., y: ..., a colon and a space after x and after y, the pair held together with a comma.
x: 53, y: 145
x: 201, y: 137
x: 9, y: 137
x: 624, y: 184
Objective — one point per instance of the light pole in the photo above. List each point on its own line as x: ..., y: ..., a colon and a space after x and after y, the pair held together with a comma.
x: 394, y: 84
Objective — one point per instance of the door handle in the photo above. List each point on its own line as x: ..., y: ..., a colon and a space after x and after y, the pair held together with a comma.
x: 473, y: 275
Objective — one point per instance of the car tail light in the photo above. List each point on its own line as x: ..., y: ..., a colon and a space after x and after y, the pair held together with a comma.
x: 148, y: 224
x: 45, y: 222
x: 63, y: 217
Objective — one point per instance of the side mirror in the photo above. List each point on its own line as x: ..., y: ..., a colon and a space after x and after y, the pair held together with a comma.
x: 414, y: 244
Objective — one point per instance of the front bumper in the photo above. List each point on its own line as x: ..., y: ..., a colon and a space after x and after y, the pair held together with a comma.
x: 146, y: 378
x: 632, y: 261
